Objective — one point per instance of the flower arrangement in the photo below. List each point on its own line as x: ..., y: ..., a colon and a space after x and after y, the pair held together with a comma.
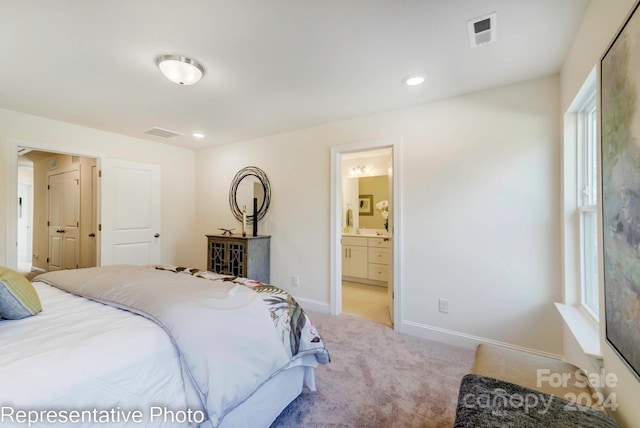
x: 383, y: 207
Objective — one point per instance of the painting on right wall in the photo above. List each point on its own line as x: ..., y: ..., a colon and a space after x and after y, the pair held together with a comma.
x: 620, y: 157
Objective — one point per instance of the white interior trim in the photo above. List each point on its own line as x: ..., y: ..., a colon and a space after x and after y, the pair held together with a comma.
x: 462, y: 340
x: 583, y: 327
x: 570, y: 226
x: 395, y: 230
x: 11, y: 226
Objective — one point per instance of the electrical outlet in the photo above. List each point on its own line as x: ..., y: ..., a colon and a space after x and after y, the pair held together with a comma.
x: 295, y: 280
x: 443, y: 305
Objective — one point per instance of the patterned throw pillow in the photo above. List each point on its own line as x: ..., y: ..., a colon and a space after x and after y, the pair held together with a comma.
x: 18, y: 298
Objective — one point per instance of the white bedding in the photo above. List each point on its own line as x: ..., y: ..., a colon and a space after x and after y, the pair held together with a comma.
x: 80, y: 355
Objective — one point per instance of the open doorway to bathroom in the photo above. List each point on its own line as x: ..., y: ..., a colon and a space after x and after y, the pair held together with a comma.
x: 366, y: 250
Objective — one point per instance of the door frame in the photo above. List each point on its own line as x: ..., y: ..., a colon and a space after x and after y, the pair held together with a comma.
x: 395, y: 229
x: 11, y: 215
x: 29, y: 220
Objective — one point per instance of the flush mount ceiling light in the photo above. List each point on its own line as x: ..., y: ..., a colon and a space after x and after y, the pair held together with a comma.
x: 414, y: 80
x: 180, y: 69
x: 198, y: 134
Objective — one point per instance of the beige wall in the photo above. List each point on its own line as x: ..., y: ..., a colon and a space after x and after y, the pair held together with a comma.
x: 378, y: 187
x: 480, y: 191
x: 177, y: 166
x: 40, y: 230
x: 600, y: 25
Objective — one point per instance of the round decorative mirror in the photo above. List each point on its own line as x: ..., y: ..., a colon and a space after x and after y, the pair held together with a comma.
x: 249, y: 183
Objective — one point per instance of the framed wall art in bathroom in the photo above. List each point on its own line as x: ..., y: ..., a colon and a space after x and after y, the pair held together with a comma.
x: 365, y: 204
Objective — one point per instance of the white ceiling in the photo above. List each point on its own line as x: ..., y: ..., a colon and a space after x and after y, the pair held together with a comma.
x: 272, y: 65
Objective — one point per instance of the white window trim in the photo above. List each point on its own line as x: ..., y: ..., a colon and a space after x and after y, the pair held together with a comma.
x: 582, y: 291
x: 580, y: 320
x: 585, y: 158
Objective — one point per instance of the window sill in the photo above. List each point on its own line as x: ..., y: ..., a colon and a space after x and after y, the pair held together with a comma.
x: 583, y: 328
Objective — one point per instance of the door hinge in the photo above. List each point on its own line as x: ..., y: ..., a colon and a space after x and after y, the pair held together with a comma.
x: 100, y: 173
x: 99, y: 227
x: 77, y: 266
x: 48, y: 187
x: 47, y: 259
x: 77, y: 224
x: 48, y: 223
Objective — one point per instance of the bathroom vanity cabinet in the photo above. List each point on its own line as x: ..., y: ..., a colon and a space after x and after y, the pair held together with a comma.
x: 365, y: 259
x: 354, y: 257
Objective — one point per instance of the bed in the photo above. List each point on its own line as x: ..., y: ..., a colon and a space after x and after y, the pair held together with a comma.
x: 155, y: 346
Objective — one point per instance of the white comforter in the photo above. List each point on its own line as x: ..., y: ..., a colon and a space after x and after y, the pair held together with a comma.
x: 223, y: 332
x: 78, y: 354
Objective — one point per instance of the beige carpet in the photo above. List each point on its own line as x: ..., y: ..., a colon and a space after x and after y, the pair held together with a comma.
x: 379, y: 378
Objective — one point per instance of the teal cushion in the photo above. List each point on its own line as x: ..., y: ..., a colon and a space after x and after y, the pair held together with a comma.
x: 18, y: 298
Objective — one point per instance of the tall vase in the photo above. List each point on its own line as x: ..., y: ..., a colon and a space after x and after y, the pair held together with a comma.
x: 255, y: 216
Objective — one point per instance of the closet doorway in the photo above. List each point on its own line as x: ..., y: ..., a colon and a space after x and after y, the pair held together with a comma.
x: 365, y: 250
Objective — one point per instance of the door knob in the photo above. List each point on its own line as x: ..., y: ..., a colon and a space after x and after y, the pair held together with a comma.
x: 92, y: 235
x: 157, y: 235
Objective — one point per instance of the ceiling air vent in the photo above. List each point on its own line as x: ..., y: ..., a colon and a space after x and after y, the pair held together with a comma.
x: 160, y: 132
x: 483, y: 31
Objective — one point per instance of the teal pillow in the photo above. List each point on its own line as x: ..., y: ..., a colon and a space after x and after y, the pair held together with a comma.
x: 18, y: 298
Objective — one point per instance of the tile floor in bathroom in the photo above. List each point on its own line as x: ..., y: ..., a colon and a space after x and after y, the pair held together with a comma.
x: 366, y: 301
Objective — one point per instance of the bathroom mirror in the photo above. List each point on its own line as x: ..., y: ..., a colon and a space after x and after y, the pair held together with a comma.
x: 250, y: 182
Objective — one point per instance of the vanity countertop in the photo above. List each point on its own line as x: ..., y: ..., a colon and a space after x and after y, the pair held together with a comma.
x: 367, y: 235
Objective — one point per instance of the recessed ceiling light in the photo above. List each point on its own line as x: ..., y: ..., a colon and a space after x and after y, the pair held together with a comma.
x: 414, y: 80
x: 198, y: 135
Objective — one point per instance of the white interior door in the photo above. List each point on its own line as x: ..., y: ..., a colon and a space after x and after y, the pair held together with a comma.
x: 390, y: 283
x: 130, y: 214
x: 64, y: 219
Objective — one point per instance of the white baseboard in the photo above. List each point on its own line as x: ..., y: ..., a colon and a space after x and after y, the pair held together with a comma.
x: 313, y: 305
x: 455, y: 338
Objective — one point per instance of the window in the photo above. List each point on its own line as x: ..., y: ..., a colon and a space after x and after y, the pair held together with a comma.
x: 587, y: 170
